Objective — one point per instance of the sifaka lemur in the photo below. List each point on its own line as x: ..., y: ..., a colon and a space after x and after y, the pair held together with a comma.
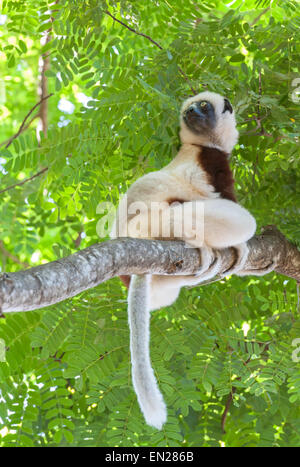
x: 191, y: 199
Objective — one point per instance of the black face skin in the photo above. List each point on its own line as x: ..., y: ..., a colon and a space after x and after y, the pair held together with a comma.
x: 200, y: 116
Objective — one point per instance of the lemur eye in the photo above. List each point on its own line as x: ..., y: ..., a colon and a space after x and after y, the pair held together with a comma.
x: 203, y: 104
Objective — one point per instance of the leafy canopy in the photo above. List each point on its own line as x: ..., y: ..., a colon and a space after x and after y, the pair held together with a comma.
x: 113, y: 116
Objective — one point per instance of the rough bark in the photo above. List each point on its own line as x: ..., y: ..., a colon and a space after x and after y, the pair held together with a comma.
x: 53, y: 282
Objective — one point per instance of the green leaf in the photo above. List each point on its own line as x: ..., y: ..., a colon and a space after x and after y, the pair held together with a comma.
x: 237, y: 58
x: 22, y: 46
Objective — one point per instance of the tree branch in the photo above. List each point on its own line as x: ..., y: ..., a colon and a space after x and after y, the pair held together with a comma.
x: 40, y: 172
x: 53, y: 282
x: 22, y: 126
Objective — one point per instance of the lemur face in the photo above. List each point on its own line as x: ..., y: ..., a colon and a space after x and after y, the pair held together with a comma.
x: 208, y: 119
x: 200, y: 116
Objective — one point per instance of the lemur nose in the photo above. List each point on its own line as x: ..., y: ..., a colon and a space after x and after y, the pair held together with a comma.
x: 192, y: 110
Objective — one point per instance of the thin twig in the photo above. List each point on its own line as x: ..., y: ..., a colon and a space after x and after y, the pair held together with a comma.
x: 260, y: 15
x: 230, y: 399
x: 25, y: 119
x: 14, y: 258
x: 25, y: 181
x: 153, y: 42
x: 226, y: 409
x: 187, y: 80
x: 133, y: 30
x: 78, y: 239
x: 37, y: 115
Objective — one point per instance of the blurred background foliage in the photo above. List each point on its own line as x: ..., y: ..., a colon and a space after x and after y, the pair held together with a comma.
x: 117, y: 72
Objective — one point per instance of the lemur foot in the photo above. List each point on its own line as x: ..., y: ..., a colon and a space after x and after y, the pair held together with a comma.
x: 238, y: 267
x: 257, y: 272
x: 210, y: 264
x: 242, y: 251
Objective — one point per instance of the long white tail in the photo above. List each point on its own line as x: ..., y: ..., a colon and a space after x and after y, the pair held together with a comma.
x: 149, y: 397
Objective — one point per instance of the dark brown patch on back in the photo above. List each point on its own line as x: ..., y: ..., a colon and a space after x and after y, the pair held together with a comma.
x: 216, y: 165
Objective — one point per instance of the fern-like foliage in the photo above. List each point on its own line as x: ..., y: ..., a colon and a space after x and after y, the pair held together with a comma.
x: 225, y: 355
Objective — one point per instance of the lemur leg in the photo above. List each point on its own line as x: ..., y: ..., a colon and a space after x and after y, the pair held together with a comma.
x: 164, y: 290
x: 256, y: 272
x: 224, y: 224
x: 237, y: 227
x: 242, y: 252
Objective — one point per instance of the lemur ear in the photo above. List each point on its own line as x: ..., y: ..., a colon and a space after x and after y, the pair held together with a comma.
x: 227, y: 106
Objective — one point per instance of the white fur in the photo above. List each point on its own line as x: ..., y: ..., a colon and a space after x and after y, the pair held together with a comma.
x: 224, y: 224
x: 144, y: 382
